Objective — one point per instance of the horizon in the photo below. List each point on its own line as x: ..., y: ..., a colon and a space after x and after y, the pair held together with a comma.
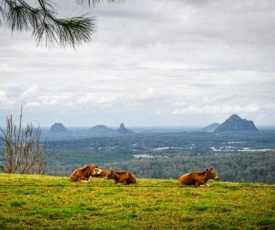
x: 163, y: 126
x: 160, y: 127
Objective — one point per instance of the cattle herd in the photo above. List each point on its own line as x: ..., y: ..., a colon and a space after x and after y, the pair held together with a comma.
x: 125, y: 177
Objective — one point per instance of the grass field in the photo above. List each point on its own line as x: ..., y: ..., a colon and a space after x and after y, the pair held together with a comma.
x: 47, y: 202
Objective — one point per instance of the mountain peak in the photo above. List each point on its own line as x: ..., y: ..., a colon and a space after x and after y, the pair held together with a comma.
x: 123, y: 130
x: 122, y: 126
x: 236, y: 123
x: 234, y: 116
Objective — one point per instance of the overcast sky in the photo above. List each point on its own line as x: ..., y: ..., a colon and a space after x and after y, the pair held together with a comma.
x: 151, y: 63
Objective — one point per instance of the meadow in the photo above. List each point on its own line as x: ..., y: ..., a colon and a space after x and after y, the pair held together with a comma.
x: 51, y: 202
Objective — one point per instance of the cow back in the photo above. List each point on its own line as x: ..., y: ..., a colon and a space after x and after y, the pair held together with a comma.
x: 80, y: 174
x: 186, y: 179
x: 84, y: 174
x: 198, y: 178
x: 124, y: 177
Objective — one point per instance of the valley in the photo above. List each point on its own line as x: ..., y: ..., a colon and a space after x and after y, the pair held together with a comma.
x: 237, y: 156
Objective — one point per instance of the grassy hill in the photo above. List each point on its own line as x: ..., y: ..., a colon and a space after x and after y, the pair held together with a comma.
x: 47, y: 202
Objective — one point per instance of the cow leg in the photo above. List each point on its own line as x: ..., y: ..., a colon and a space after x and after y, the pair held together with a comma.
x: 122, y: 181
x: 203, y: 185
x: 206, y: 185
x: 85, y: 180
x: 199, y: 183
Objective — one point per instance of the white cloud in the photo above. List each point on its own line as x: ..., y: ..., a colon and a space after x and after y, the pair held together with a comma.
x: 30, y: 93
x: 150, y: 61
x: 5, y: 101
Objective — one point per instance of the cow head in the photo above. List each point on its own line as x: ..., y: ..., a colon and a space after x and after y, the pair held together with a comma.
x: 94, y: 170
x: 212, y: 173
x: 110, y: 174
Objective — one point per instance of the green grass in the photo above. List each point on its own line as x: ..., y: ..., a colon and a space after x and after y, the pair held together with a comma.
x: 47, y: 202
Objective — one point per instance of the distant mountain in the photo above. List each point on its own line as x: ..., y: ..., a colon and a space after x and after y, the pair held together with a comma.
x: 101, y: 130
x: 124, y: 131
x: 210, y: 128
x: 235, y: 123
x: 58, y: 128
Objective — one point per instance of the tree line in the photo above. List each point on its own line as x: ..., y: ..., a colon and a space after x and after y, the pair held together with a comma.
x: 245, y: 167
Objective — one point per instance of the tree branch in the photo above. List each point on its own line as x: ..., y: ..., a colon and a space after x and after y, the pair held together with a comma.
x: 45, y: 24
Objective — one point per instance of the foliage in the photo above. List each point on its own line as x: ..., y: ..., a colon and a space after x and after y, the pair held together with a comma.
x: 248, y: 167
x: 42, y: 19
x: 57, y: 203
x: 239, y: 157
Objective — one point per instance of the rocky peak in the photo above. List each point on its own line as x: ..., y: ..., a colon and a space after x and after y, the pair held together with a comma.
x: 236, y: 123
x: 124, y: 131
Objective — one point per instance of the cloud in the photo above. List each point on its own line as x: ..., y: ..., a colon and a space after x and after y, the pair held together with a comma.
x: 29, y: 93
x: 149, y: 62
x: 216, y: 109
x: 5, y: 101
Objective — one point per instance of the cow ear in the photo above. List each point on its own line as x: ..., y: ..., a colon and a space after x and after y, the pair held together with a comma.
x: 207, y: 170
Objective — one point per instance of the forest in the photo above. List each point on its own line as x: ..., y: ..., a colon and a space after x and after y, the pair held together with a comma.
x: 237, y: 157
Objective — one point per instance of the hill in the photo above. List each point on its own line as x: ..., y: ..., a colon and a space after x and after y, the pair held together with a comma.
x: 101, y: 130
x: 235, y: 123
x: 57, y: 128
x: 45, y: 202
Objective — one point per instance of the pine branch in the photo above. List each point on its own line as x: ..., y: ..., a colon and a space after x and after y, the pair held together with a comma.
x: 45, y: 24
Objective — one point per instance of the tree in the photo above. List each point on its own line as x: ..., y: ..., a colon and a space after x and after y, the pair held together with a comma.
x: 43, y: 21
x: 24, y: 152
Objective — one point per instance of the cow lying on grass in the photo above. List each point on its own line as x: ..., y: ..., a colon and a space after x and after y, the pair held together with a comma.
x: 123, y: 177
x: 198, y: 178
x: 84, y: 174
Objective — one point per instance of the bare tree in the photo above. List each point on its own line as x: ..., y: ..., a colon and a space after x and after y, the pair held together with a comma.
x: 25, y: 153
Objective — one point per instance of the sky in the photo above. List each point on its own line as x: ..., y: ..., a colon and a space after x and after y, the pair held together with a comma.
x: 150, y: 63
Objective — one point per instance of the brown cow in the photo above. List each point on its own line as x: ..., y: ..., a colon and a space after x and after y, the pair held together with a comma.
x: 123, y: 177
x: 198, y: 178
x: 84, y: 174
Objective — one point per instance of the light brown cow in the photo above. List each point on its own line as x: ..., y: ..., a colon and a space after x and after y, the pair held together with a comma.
x: 123, y: 177
x: 84, y: 174
x: 198, y: 178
